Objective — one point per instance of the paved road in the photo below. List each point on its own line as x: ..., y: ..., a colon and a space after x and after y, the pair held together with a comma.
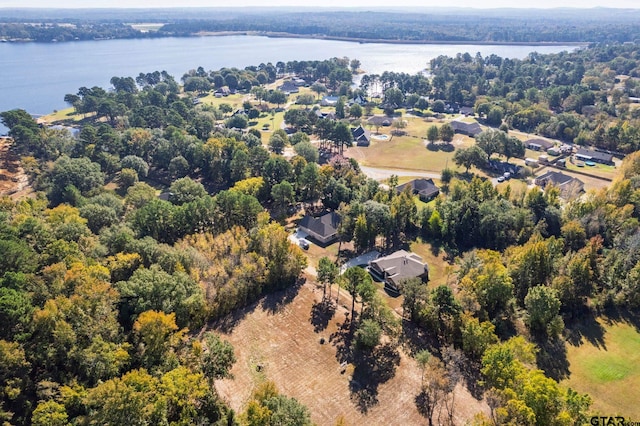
x: 380, y: 174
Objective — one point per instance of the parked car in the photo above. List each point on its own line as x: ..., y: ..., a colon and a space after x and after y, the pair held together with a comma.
x: 303, y: 243
x: 500, y: 178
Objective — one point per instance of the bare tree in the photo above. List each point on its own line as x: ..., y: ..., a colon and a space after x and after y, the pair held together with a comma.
x: 435, y: 385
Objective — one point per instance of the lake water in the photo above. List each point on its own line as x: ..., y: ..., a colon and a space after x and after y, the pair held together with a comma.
x: 35, y: 76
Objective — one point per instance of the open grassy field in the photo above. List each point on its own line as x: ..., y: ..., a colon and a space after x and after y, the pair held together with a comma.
x: 281, y: 337
x: 407, y: 152
x: 63, y: 114
x: 609, y: 370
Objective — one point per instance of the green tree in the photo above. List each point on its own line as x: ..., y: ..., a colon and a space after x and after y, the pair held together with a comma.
x: 307, y: 151
x: 342, y: 136
x: 282, y: 194
x: 340, y: 112
x: 355, y: 111
x: 358, y: 283
x: 477, y: 336
x: 217, y: 357
x: 513, y: 147
x: 277, y: 143
x: 185, y: 190
x: 543, y: 307
x: 446, y: 133
x: 155, y: 289
x: 472, y: 156
x: 127, y: 178
x: 327, y: 274
x: 432, y: 133
x: 368, y: 334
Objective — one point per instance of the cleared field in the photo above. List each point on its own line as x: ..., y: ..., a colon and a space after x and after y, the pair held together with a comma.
x: 407, y: 152
x: 609, y: 370
x: 281, y: 338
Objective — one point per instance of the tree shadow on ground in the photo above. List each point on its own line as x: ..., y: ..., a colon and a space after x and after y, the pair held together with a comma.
x: 414, y: 339
x: 372, y: 368
x: 444, y: 147
x: 552, y: 359
x: 621, y: 314
x: 586, y: 328
x: 342, y: 339
x: 321, y: 314
x: 227, y: 323
x: 274, y: 302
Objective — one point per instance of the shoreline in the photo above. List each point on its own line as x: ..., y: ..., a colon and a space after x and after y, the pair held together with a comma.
x: 275, y: 34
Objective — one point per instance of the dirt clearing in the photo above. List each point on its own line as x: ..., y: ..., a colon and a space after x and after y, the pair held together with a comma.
x: 13, y: 180
x: 280, y: 340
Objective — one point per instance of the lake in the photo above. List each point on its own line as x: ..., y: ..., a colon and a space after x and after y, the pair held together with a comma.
x: 36, y: 76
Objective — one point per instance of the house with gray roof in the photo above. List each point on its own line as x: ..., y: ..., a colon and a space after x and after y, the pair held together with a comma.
x: 361, y: 136
x: 425, y: 189
x: 323, y: 229
x: 289, y: 87
x: 568, y: 185
x: 380, y: 120
x: 539, y: 144
x: 397, y: 267
x: 596, y: 156
x: 469, y: 129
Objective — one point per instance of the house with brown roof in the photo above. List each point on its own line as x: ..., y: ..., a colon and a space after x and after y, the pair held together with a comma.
x: 425, y: 189
x: 397, y: 267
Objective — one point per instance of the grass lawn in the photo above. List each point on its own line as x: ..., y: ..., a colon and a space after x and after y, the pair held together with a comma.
x: 598, y: 170
x: 439, y: 268
x: 234, y: 100
x: 407, y: 152
x: 63, y: 114
x: 610, y: 372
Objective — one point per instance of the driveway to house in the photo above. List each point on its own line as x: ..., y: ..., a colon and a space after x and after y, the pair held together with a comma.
x: 381, y: 174
x: 363, y: 259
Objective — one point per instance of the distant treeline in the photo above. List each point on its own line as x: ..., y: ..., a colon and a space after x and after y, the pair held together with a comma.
x: 440, y: 25
x: 424, y: 27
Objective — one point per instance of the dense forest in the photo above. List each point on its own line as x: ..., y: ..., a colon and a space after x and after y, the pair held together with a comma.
x: 104, y: 285
x: 421, y: 25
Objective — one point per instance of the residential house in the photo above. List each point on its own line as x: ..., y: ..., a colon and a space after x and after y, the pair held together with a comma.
x: 397, y: 267
x: 323, y: 229
x: 568, y: 185
x: 357, y: 100
x: 596, y: 156
x: 361, y: 136
x: 469, y: 129
x: 539, y: 144
x: 425, y: 189
x: 380, y: 120
x: 289, y: 87
x: 467, y: 110
x: 329, y: 101
x: 222, y: 91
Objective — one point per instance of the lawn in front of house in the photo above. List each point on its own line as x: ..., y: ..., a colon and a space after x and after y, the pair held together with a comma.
x: 608, y: 370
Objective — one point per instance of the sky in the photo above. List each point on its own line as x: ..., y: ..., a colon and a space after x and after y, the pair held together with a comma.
x: 633, y: 4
